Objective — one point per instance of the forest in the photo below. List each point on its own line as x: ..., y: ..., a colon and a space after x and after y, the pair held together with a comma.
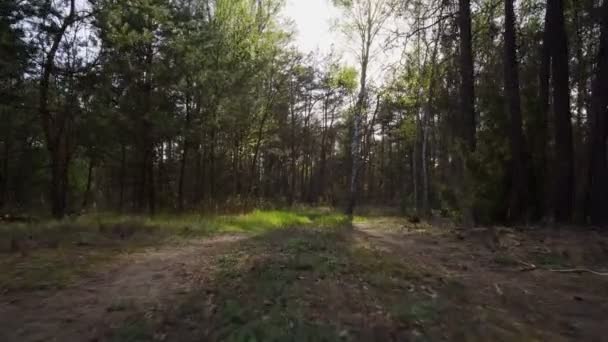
x: 183, y: 170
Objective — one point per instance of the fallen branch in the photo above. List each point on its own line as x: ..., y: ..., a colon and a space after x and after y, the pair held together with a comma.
x: 579, y: 270
x: 528, y: 266
x: 532, y: 267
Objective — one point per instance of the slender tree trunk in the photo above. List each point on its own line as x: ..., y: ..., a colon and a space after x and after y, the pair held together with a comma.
x: 564, y: 167
x: 519, y: 184
x: 541, y: 129
x: 4, y: 173
x: 598, y: 165
x: 184, y: 158
x: 54, y: 128
x: 59, y: 179
x: 467, y: 88
x: 87, y: 191
x: 147, y: 191
x: 123, y: 169
x: 151, y: 185
x: 426, y: 122
x: 292, y: 192
x: 414, y: 167
x: 322, y: 154
x: 467, y: 110
x: 256, y: 150
x: 357, y: 121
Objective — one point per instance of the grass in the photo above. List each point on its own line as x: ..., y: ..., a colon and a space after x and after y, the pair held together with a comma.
x: 304, y: 275
x: 294, y: 284
x: 52, y: 254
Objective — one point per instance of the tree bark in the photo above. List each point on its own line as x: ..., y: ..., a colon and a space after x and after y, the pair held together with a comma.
x: 564, y: 168
x: 4, y: 173
x: 467, y: 87
x: 55, y: 128
x: 426, y: 122
x: 184, y: 158
x: 87, y: 191
x: 519, y: 184
x: 123, y: 170
x: 598, y: 126
x: 355, y: 151
x: 541, y: 128
x: 467, y: 110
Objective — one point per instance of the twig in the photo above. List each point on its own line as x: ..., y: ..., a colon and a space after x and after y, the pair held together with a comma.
x: 579, y: 270
x: 532, y: 267
x: 529, y: 266
x: 498, y: 289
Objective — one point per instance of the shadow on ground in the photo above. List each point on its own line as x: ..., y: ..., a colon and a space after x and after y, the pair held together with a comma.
x: 381, y: 280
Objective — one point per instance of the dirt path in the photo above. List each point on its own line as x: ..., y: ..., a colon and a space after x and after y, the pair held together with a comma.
x: 519, y: 295
x: 477, y: 281
x: 139, y: 282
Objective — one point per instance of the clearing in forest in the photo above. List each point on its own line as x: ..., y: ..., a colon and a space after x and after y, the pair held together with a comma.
x: 304, y: 276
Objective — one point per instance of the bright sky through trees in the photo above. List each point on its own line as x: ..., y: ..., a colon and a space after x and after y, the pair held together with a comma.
x: 313, y: 20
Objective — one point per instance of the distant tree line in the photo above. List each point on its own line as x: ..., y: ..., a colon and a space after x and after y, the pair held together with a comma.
x: 496, y: 113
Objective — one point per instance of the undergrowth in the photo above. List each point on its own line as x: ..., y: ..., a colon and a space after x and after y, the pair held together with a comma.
x: 293, y: 285
x: 51, y: 254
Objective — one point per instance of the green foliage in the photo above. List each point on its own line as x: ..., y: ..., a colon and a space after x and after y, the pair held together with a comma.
x: 58, y: 252
x: 133, y: 331
x: 417, y: 311
x: 344, y: 77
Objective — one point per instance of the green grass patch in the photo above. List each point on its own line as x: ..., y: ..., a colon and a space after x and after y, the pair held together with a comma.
x: 421, y: 311
x: 47, y: 269
x: 273, y: 288
x: 133, y: 331
x: 550, y: 259
x: 52, y: 254
x: 505, y: 260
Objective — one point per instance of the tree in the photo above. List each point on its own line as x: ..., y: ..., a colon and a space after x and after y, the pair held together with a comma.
x: 598, y: 130
x: 56, y: 126
x: 519, y: 184
x: 564, y: 167
x: 364, y: 22
x: 467, y: 83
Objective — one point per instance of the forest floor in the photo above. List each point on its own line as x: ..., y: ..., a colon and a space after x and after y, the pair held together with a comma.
x: 309, y: 277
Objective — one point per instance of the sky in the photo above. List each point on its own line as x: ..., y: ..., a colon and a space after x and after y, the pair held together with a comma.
x: 312, y: 19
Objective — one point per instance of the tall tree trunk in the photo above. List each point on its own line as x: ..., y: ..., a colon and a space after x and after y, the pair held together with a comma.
x: 256, y: 149
x: 540, y: 130
x: 519, y: 184
x: 426, y: 121
x: 55, y: 128
x: 467, y: 87
x: 598, y: 168
x: 292, y: 191
x: 184, y: 158
x: 355, y: 150
x: 564, y: 168
x: 467, y: 110
x: 320, y: 191
x: 147, y: 194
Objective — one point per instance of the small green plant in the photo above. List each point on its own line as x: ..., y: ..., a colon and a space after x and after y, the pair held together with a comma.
x: 551, y: 259
x: 417, y: 311
x: 133, y: 331
x: 505, y: 260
